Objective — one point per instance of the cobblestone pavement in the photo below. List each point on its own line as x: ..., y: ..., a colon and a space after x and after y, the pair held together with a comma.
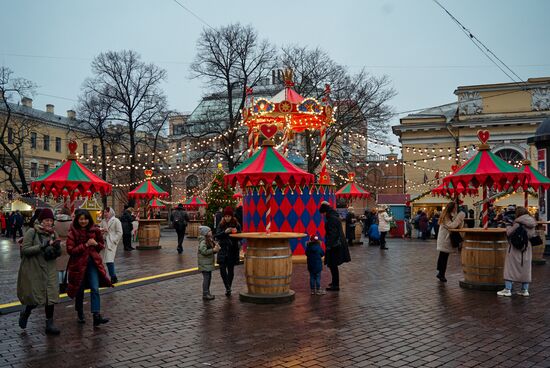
x: 129, y: 265
x: 391, y: 312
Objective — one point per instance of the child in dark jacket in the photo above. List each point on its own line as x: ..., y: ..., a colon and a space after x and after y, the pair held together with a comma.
x: 314, y: 254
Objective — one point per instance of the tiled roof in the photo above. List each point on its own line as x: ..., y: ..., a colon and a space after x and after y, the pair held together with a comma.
x: 48, y: 117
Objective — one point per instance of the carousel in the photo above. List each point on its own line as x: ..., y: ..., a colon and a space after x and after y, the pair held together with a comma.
x: 354, y: 195
x: 193, y: 205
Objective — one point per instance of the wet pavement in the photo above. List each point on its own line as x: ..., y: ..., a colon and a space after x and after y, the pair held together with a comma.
x: 391, y: 312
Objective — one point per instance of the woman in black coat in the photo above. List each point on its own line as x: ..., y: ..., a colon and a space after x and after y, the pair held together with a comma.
x: 228, y: 256
x: 337, y: 251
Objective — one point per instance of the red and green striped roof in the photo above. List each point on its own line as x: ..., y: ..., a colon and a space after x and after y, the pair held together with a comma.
x: 194, y: 202
x: 535, y: 179
x: 147, y: 190
x: 352, y: 190
x: 268, y: 166
x: 487, y: 169
x: 70, y: 179
x: 155, y: 203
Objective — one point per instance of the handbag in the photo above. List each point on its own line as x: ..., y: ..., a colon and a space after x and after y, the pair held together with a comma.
x: 535, y: 240
x: 456, y: 239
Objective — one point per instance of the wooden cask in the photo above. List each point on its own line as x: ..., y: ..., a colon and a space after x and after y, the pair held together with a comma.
x: 268, y: 266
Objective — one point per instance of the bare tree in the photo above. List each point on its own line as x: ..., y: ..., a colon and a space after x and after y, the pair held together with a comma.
x: 229, y: 59
x: 361, y: 102
x: 132, y: 87
x: 14, y: 133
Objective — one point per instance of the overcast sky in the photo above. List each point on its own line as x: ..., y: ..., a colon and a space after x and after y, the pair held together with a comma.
x: 426, y: 56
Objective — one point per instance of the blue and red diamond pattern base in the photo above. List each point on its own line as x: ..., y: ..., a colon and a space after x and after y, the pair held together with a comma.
x: 293, y: 211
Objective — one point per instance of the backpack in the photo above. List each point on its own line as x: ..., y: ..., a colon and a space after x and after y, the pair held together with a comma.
x: 519, y: 238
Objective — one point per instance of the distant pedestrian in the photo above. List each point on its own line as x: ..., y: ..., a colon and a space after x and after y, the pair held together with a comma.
x: 179, y: 219
x: 85, y: 265
x: 351, y: 222
x: 384, y: 220
x: 63, y: 222
x: 126, y: 221
x: 228, y: 256
x: 517, y: 266
x: 2, y: 223
x: 374, y: 234
x: 37, y: 280
x: 218, y: 217
x: 423, y: 226
x: 17, y: 227
x: 315, y: 254
x: 337, y: 251
x: 449, y: 219
x: 205, y: 257
x: 9, y: 224
x: 111, y: 228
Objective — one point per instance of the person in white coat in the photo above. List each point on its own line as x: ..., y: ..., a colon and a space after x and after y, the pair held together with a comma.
x: 449, y: 219
x: 384, y: 220
x: 112, y: 232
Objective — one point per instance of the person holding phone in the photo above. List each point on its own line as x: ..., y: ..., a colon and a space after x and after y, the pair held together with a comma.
x: 228, y: 256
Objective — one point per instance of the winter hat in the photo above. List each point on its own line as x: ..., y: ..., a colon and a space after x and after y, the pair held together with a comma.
x: 46, y: 213
x: 203, y: 230
x: 228, y: 211
x: 511, y: 208
x: 180, y: 206
x: 314, y: 238
x: 325, y: 206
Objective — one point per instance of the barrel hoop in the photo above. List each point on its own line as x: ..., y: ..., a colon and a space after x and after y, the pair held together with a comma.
x: 269, y: 285
x: 485, y: 249
x: 483, y: 267
x: 270, y: 248
x: 485, y: 241
x: 269, y: 277
x: 268, y: 257
x: 482, y: 274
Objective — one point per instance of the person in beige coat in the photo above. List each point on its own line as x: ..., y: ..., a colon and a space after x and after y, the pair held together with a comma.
x: 449, y: 219
x: 384, y: 220
x: 111, y: 228
x: 517, y: 266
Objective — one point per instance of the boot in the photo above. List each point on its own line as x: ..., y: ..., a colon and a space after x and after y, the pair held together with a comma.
x: 50, y: 328
x: 208, y: 297
x: 98, y: 320
x: 80, y: 317
x: 114, y: 280
x: 24, y: 318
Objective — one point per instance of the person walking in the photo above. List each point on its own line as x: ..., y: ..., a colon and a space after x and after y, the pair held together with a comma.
x: 517, y: 266
x: 179, y: 219
x: 127, y: 220
x: 85, y: 268
x: 205, y: 258
x: 63, y: 223
x: 314, y: 254
x: 18, y: 224
x: 351, y: 222
x: 384, y: 220
x: 228, y: 256
x: 2, y: 223
x: 423, y: 226
x: 37, y: 279
x: 449, y: 219
x: 337, y: 251
x: 111, y: 228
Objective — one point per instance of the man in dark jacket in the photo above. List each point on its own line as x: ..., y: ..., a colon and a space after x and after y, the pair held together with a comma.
x: 337, y: 251
x: 127, y: 220
x: 17, y: 224
x: 179, y: 219
x: 351, y: 223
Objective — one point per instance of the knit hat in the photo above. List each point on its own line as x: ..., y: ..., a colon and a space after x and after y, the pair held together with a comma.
x: 46, y: 213
x: 228, y: 211
x: 325, y: 206
x: 203, y: 230
x: 314, y: 238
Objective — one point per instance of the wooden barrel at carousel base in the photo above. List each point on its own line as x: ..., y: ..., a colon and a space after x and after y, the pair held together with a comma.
x: 538, y: 251
x: 149, y: 234
x: 193, y: 229
x: 483, y: 256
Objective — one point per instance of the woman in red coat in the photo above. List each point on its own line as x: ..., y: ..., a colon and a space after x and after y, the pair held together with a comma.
x: 85, y: 268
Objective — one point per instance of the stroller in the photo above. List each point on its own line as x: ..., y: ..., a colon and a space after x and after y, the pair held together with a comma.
x: 374, y: 235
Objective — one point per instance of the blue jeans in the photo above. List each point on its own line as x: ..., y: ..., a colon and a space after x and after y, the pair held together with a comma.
x: 509, y: 284
x: 92, y: 276
x: 315, y: 280
x: 111, y: 269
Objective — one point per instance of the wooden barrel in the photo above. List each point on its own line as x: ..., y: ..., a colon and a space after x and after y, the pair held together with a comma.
x: 149, y: 234
x: 268, y: 266
x: 483, y: 255
x: 538, y: 251
x: 358, y: 231
x: 193, y: 229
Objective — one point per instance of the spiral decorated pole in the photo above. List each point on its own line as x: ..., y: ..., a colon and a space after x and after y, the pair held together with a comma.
x: 485, y: 216
x: 323, y: 149
x: 250, y: 142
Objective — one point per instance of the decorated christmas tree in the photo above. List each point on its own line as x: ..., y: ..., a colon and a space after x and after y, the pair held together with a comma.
x: 218, y: 196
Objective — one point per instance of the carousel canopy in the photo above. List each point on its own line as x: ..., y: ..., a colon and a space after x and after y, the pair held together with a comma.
x: 155, y: 203
x: 352, y: 190
x: 268, y: 166
x: 71, y: 179
x: 148, y: 189
x: 449, y: 190
x: 535, y: 179
x: 194, y: 202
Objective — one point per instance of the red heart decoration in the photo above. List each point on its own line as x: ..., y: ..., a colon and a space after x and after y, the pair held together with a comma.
x: 72, y: 146
x: 454, y: 168
x: 483, y: 136
x: 268, y: 130
x: 148, y: 172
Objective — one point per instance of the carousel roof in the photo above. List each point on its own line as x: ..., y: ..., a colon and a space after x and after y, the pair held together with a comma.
x: 194, y: 202
x: 447, y: 189
x: 148, y: 189
x: 352, y: 190
x: 535, y: 179
x: 155, y: 203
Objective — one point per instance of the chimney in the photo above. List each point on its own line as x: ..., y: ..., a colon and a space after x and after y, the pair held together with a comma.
x: 71, y: 114
x: 25, y: 101
x: 49, y: 108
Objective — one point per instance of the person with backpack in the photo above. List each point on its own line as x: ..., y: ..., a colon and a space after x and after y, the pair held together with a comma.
x: 179, y: 219
x: 449, y: 219
x: 517, y: 266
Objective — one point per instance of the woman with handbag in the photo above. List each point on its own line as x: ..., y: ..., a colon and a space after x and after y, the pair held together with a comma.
x: 449, y: 219
x: 37, y: 280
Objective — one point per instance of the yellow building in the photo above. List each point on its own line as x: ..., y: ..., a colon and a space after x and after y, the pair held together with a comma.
x: 435, y: 139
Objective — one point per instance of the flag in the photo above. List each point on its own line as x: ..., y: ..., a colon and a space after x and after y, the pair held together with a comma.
x: 425, y: 177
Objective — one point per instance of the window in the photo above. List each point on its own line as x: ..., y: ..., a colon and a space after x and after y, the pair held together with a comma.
x: 10, y: 136
x: 46, y: 168
x: 46, y: 143
x: 33, y: 140
x: 34, y: 169
x: 85, y: 149
x: 94, y: 150
x: 57, y: 144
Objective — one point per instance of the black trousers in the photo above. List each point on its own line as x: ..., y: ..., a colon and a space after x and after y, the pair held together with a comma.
x: 335, y: 276
x: 181, y: 235
x: 442, y: 262
x: 48, y: 309
x: 127, y: 240
x: 206, y: 279
x: 227, y: 273
x: 383, y: 239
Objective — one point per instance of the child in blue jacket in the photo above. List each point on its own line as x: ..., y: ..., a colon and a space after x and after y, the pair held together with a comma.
x: 314, y: 254
x: 374, y: 234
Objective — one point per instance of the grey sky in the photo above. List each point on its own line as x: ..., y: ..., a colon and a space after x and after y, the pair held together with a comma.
x: 414, y: 42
